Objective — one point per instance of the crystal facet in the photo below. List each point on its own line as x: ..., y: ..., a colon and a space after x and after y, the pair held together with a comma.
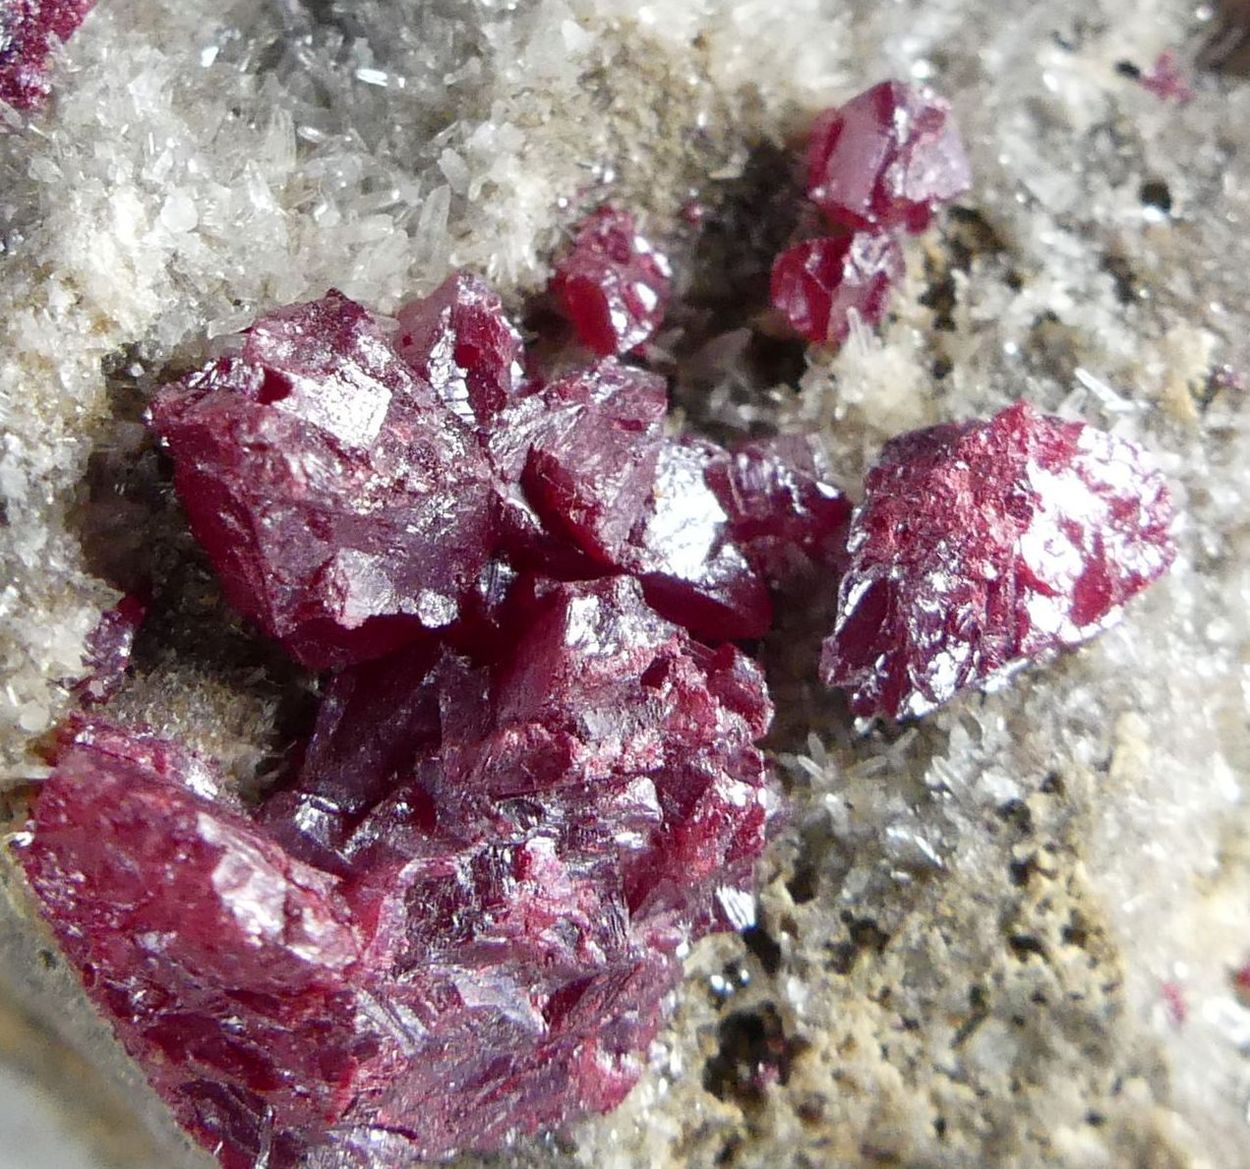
x: 460, y: 341
x: 344, y: 506
x: 612, y: 284
x: 784, y: 511
x: 817, y: 283
x: 984, y: 545
x: 886, y: 159
x: 108, y: 649
x: 463, y: 918
x: 29, y: 30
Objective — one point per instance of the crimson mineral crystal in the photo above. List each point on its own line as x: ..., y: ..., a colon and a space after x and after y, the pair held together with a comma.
x: 818, y: 283
x: 887, y: 159
x: 29, y: 30
x: 344, y: 504
x: 612, y: 284
x: 459, y: 923
x: 984, y: 545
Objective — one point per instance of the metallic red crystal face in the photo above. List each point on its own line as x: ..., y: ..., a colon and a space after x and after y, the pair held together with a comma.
x: 463, y: 918
x: 818, y: 283
x: 29, y: 30
x: 460, y: 341
x: 887, y: 159
x: 612, y: 284
x: 345, y: 507
x: 983, y: 546
x: 784, y: 511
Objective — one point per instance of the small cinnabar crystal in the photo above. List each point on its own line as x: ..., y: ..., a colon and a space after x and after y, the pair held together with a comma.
x: 818, y: 283
x: 886, y: 159
x: 611, y: 284
x: 984, y: 545
x: 345, y: 507
x: 460, y: 341
x: 29, y: 30
x: 461, y: 921
x: 106, y: 654
x: 784, y: 510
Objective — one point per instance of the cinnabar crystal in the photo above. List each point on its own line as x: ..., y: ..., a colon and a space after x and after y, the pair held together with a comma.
x: 461, y: 921
x: 612, y: 284
x: 345, y: 507
x: 29, y: 30
x: 984, y: 545
x: 886, y: 159
x: 816, y: 284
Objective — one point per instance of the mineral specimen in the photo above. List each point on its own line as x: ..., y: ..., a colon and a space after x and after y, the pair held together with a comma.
x: 29, y: 29
x: 612, y: 284
x: 984, y: 545
x: 818, y: 283
x: 886, y: 159
x: 683, y: 550
x: 784, y: 511
x: 460, y: 922
x: 345, y: 507
x: 459, y: 340
x: 108, y: 650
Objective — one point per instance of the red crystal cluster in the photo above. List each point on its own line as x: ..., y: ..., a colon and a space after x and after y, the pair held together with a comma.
x: 882, y: 163
x: 459, y: 923
x: 533, y: 779
x: 529, y: 787
x: 29, y: 30
x: 984, y: 545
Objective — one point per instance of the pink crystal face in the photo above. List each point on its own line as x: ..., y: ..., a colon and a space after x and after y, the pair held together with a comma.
x: 818, y: 283
x: 982, y: 546
x: 887, y: 159
x: 463, y: 919
x: 108, y: 649
x: 459, y: 340
x: 784, y: 511
x: 612, y: 284
x: 29, y: 30
x: 345, y: 507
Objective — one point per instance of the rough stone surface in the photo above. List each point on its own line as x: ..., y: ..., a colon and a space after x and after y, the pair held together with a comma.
x: 983, y: 546
x: 965, y: 930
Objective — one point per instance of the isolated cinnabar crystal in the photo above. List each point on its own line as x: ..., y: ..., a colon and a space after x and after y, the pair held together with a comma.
x: 818, y: 283
x: 984, y: 545
x: 612, y: 284
x: 460, y: 922
x: 784, y: 511
x: 886, y: 159
x: 345, y: 507
x: 29, y: 30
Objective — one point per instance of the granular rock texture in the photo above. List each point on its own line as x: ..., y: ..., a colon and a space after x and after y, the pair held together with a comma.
x: 967, y: 928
